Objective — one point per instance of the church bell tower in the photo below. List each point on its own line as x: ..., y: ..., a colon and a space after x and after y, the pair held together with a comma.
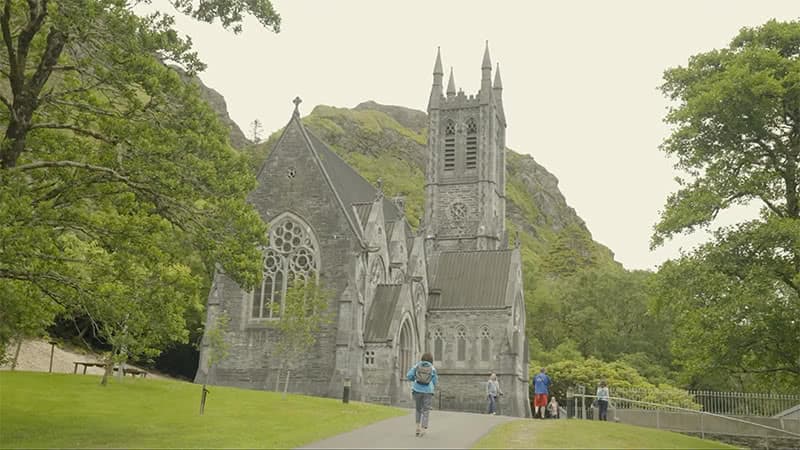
x: 465, y: 189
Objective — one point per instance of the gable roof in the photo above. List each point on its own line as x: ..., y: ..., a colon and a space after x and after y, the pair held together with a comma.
x: 379, y: 319
x: 471, y: 280
x: 350, y: 189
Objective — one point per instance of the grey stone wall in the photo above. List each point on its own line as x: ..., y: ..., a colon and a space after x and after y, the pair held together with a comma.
x: 462, y: 383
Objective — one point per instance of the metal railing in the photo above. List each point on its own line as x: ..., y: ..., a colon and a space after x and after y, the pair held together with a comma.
x: 674, y: 418
x: 728, y: 403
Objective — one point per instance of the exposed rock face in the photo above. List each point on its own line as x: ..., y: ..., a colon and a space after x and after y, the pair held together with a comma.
x: 543, y: 189
x: 217, y: 103
x: 407, y: 117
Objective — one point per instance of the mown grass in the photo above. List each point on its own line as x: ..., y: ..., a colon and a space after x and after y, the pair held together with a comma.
x: 586, y: 434
x: 74, y: 411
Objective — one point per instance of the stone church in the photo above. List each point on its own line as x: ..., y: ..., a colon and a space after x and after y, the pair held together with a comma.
x: 453, y: 287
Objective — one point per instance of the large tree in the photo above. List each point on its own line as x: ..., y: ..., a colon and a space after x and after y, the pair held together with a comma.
x: 119, y: 191
x: 736, y: 139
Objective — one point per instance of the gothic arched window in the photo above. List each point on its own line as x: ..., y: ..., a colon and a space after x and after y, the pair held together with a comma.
x: 292, y: 254
x: 438, y: 345
x: 461, y: 343
x: 485, y: 343
x: 377, y: 272
x: 405, y: 349
x: 472, y: 144
x: 450, y: 145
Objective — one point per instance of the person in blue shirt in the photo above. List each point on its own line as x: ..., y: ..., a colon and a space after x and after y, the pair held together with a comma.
x: 541, y: 387
x: 423, y: 374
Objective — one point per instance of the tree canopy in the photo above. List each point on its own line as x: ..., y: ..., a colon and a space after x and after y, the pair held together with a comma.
x: 120, y: 192
x: 736, y: 299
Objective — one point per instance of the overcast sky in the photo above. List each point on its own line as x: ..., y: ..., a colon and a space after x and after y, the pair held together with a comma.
x: 580, y: 82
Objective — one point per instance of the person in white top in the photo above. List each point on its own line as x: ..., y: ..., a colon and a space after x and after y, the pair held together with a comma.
x: 602, y: 400
x: 552, y: 407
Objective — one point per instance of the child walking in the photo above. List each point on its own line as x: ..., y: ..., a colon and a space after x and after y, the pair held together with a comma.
x: 423, y: 374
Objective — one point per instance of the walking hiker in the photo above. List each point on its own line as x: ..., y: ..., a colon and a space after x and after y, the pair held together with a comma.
x: 541, y: 386
x: 492, y: 391
x: 602, y: 400
x: 423, y: 374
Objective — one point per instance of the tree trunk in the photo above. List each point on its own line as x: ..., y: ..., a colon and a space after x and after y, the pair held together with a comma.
x: 16, y: 353
x: 286, y: 385
x: 121, y: 371
x: 278, y: 379
x: 109, y: 367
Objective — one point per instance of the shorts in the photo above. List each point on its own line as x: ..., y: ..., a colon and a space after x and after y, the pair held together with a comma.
x: 540, y: 400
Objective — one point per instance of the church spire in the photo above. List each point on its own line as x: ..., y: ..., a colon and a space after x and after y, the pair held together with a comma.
x: 487, y: 60
x: 486, y: 77
x: 451, y: 85
x: 498, y: 95
x: 436, y: 89
x: 437, y: 68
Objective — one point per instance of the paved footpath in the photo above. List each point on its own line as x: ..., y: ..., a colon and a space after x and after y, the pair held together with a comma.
x: 446, y: 430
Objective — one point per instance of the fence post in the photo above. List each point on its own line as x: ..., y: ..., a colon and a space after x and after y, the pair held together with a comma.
x: 658, y: 418
x: 52, y: 349
x: 702, y: 426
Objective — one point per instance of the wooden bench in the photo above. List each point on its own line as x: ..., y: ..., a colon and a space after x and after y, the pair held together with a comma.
x: 133, y: 371
x: 128, y: 370
x: 86, y: 365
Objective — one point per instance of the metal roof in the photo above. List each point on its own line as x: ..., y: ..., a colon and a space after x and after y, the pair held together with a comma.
x: 379, y: 319
x: 471, y: 280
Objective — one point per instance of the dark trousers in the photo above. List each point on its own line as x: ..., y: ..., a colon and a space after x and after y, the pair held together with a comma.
x: 492, y: 403
x: 603, y: 406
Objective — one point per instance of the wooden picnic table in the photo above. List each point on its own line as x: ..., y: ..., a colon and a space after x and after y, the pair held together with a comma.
x: 128, y: 370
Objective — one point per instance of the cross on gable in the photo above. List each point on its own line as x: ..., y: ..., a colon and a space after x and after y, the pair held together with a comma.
x: 297, y: 102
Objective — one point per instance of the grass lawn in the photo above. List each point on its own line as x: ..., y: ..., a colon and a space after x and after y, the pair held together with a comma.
x: 63, y: 410
x: 586, y: 434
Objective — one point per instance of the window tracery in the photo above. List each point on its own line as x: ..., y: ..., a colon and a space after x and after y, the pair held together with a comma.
x: 438, y: 345
x: 461, y: 343
x: 485, y: 343
x: 292, y: 254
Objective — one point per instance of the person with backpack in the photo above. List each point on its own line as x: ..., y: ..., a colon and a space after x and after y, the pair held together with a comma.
x: 423, y: 374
